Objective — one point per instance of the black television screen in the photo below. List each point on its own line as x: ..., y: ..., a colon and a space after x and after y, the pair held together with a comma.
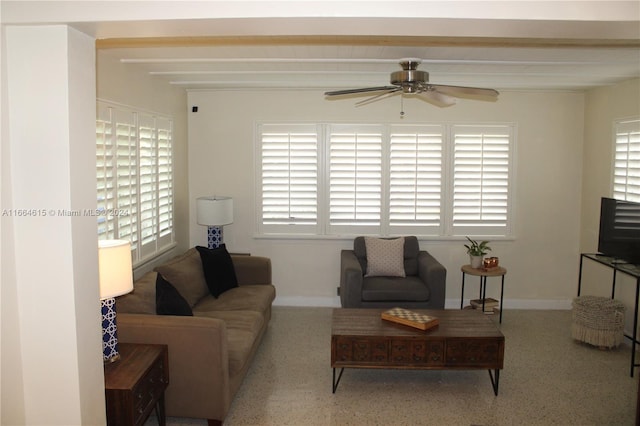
x: 620, y: 230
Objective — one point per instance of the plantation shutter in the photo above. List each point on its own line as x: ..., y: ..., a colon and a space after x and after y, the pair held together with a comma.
x: 415, y: 179
x: 127, y: 176
x: 481, y: 168
x: 165, y: 181
x: 442, y: 180
x: 626, y: 179
x: 105, y: 169
x: 355, y: 178
x: 289, y: 180
x: 134, y: 170
x: 148, y: 184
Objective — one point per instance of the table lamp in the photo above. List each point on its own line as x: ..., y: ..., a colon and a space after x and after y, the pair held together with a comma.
x: 116, y: 279
x: 214, y: 211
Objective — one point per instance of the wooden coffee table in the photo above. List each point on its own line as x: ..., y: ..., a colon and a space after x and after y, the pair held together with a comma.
x: 464, y: 340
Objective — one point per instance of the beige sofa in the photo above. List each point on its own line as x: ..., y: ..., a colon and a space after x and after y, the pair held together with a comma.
x: 211, y: 351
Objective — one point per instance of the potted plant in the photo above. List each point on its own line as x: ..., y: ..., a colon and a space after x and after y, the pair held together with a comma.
x: 476, y: 251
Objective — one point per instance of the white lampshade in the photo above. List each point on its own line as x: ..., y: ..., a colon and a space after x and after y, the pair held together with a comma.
x: 114, y: 264
x: 214, y: 210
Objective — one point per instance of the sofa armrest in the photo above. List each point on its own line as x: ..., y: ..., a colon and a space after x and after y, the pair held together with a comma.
x: 434, y: 274
x: 198, y: 360
x: 350, y: 280
x: 252, y: 269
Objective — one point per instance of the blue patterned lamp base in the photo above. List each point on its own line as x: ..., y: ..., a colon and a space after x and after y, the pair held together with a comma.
x: 109, y: 330
x: 214, y: 236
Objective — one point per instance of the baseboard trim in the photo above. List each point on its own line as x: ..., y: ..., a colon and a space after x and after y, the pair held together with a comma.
x: 331, y: 302
x: 334, y: 302
x: 541, y: 304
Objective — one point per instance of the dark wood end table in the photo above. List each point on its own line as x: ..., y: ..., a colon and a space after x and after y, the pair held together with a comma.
x: 135, y: 384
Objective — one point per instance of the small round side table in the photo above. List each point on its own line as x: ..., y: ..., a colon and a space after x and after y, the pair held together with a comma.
x: 483, y: 274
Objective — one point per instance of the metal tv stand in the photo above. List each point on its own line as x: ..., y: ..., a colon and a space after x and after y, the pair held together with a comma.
x: 626, y: 268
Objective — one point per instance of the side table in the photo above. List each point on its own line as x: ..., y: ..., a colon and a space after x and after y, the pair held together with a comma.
x: 483, y: 274
x: 135, y: 384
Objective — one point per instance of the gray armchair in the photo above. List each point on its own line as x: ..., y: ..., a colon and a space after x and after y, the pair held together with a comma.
x: 423, y: 287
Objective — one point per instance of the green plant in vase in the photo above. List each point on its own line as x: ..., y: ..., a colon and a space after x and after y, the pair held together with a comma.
x: 476, y: 251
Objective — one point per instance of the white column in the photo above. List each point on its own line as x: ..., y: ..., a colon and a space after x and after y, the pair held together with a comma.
x: 50, y: 97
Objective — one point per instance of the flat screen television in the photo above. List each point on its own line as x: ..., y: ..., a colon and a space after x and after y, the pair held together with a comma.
x: 620, y: 230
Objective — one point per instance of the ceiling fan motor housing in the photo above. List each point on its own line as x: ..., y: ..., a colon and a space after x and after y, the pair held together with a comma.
x: 409, y: 80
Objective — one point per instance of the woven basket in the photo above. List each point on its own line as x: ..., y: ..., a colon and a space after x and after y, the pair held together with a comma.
x: 598, y: 321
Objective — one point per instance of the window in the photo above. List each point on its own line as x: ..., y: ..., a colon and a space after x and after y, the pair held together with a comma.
x: 289, y: 180
x: 355, y: 177
x: 135, y: 179
x: 626, y: 169
x: 481, y: 163
x: 359, y: 179
x: 415, y: 178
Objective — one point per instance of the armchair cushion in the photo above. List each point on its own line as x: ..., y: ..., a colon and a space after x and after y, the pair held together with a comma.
x: 385, y: 257
x: 411, y: 250
x: 381, y: 289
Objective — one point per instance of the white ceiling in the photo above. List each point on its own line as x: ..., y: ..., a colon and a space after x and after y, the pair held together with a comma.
x: 337, y: 44
x: 343, y: 65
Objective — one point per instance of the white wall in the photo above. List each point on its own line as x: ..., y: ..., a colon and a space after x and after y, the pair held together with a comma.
x: 541, y: 260
x: 604, y: 105
x: 51, y: 353
x: 134, y: 87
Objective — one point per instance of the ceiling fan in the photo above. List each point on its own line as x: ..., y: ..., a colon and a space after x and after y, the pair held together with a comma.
x: 412, y: 81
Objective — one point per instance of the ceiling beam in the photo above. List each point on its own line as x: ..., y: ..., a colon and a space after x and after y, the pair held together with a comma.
x: 422, y: 41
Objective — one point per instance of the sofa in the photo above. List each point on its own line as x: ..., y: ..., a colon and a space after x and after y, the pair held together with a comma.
x: 391, y: 272
x: 212, y: 335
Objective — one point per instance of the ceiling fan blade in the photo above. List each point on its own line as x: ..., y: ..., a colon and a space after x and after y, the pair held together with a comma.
x: 438, y: 99
x: 378, y: 97
x: 357, y: 91
x: 462, y: 91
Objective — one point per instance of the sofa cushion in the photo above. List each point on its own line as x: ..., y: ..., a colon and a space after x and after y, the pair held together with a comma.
x: 256, y: 298
x: 185, y: 274
x: 243, y: 329
x: 392, y: 289
x: 219, y: 272
x: 142, y: 300
x: 169, y: 301
x: 385, y: 257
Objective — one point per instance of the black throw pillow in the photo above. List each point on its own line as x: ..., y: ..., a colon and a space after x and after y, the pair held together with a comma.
x: 218, y: 269
x: 169, y: 301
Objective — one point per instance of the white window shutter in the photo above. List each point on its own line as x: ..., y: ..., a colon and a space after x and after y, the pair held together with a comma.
x: 289, y: 178
x: 481, y: 176
x: 626, y: 179
x: 355, y: 178
x: 148, y: 202
x: 134, y: 179
x: 361, y: 179
x: 165, y: 181
x: 105, y: 168
x: 415, y: 179
x: 127, y: 176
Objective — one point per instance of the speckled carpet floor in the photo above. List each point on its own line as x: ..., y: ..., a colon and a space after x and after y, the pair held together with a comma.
x: 548, y: 379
